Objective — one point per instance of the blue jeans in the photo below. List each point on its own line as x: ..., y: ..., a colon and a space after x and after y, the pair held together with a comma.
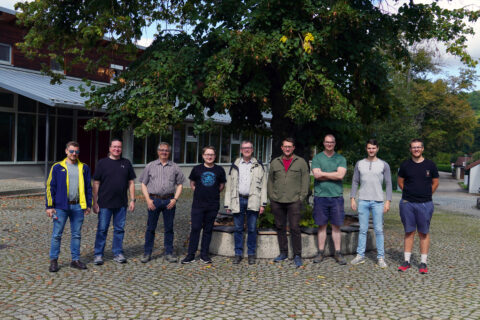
x: 239, y: 220
x: 168, y: 217
x: 364, y: 208
x: 104, y: 217
x: 201, y: 218
x: 75, y: 214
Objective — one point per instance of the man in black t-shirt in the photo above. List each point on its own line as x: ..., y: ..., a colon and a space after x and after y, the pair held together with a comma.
x: 113, y: 177
x: 207, y: 181
x: 418, y: 179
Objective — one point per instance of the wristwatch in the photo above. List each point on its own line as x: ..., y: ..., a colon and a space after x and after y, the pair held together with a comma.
x: 134, y: 200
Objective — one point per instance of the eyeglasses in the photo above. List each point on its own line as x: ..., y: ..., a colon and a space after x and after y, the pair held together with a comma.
x: 163, y: 150
x: 329, y: 142
x: 415, y: 148
x: 209, y: 154
x: 288, y: 147
x: 246, y: 148
x: 74, y: 151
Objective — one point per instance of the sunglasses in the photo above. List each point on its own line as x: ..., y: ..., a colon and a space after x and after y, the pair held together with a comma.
x: 74, y: 151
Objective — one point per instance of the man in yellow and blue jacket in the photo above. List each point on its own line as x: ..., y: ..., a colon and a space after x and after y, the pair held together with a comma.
x: 68, y: 195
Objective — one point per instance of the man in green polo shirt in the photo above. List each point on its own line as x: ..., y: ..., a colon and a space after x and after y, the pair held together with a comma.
x: 328, y: 169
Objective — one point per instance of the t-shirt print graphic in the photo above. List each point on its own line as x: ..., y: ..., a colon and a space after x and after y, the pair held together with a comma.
x: 208, y: 179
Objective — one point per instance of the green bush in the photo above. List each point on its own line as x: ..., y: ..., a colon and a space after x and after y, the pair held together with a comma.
x: 267, y: 220
x: 445, y: 167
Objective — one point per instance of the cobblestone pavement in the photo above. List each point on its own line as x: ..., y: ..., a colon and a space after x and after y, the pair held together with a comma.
x: 161, y: 290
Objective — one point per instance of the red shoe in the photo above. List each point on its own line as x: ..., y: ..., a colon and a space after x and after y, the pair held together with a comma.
x: 423, y: 268
x: 404, y: 267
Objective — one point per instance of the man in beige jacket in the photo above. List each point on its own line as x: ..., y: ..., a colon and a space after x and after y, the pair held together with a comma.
x: 246, y: 195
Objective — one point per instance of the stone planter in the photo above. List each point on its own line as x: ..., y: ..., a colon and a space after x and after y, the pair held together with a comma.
x: 267, y: 245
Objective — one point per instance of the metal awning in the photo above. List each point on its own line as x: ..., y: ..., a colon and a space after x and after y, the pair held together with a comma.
x: 36, y: 86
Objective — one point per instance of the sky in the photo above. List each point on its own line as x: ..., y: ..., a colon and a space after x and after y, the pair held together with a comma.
x: 450, y: 65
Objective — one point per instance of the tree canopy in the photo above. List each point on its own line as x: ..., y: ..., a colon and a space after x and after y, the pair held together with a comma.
x: 316, y: 66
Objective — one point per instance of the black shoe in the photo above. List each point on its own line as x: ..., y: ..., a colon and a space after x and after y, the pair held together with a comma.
x: 319, y: 257
x: 206, y: 259
x: 237, y: 259
x: 339, y: 258
x: 251, y: 259
x: 188, y: 259
x: 53, y: 265
x: 77, y: 264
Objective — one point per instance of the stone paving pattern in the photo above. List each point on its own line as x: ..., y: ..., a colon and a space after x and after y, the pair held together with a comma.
x: 161, y: 290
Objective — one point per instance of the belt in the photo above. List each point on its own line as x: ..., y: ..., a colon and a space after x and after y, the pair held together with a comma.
x: 73, y: 202
x: 162, y: 197
x: 245, y: 196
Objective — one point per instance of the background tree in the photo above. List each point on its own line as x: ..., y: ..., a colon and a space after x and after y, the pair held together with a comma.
x: 317, y: 66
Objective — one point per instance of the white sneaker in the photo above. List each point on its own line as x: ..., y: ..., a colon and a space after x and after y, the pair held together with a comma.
x: 358, y: 260
x: 120, y: 258
x: 381, y: 263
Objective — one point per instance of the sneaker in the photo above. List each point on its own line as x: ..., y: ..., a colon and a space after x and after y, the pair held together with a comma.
x: 339, y: 258
x: 404, y: 267
x: 281, y: 257
x: 120, y: 258
x: 171, y: 258
x: 237, y: 259
x: 251, y: 259
x: 381, y: 263
x: 206, y: 259
x: 319, y: 257
x: 98, y: 260
x: 298, y: 261
x: 358, y: 260
x: 188, y: 259
x: 423, y: 268
x: 146, y: 257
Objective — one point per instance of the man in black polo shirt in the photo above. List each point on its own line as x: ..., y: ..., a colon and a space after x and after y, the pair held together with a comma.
x: 113, y: 177
x: 418, y: 179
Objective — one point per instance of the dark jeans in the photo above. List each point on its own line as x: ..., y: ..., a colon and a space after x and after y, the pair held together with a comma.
x: 239, y: 220
x: 104, y: 217
x: 201, y: 218
x: 290, y: 211
x: 168, y: 217
x: 76, y: 216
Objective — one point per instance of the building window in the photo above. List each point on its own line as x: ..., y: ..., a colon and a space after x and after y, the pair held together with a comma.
x: 55, y: 66
x: 225, y: 148
x: 191, y: 147
x: 152, y: 144
x: 26, y: 137
x: 178, y: 144
x: 138, y: 150
x: 5, y: 53
x: 6, y: 100
x: 7, y: 134
x: 26, y: 104
x: 114, y: 72
x: 41, y: 137
x: 64, y: 135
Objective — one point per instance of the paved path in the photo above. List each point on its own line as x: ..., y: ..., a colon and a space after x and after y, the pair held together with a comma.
x: 159, y: 290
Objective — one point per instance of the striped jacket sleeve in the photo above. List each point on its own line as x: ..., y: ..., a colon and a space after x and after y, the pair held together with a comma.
x: 51, y: 189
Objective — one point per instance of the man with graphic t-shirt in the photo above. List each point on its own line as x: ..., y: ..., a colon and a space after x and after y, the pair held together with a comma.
x: 113, y: 179
x: 287, y: 188
x: 207, y: 181
x: 418, y: 179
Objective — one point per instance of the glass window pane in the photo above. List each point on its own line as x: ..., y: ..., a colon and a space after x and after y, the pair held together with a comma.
x: 6, y: 100
x: 215, y: 142
x: 152, y: 144
x: 191, y: 152
x: 5, y: 52
x: 42, y: 108
x: 225, y: 156
x: 41, y: 138
x: 178, y: 144
x: 235, y: 151
x: 202, y: 142
x: 64, y: 135
x: 26, y: 137
x: 26, y: 104
x: 138, y: 150
x: 65, y: 111
x: 7, y: 131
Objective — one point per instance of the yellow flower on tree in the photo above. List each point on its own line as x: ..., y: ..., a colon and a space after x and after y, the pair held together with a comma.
x: 309, y: 37
x: 283, y: 39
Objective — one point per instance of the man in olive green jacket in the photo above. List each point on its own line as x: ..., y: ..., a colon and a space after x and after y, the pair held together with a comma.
x: 288, y: 185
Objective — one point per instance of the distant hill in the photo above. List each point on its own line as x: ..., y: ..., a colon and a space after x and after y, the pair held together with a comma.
x: 474, y: 100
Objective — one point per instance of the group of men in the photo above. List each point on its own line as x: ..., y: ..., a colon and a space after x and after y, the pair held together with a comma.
x: 69, y: 195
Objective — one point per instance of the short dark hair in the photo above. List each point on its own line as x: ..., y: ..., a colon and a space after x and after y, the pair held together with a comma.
x: 372, y: 142
x: 209, y: 147
x: 289, y: 139
x: 73, y: 144
x: 115, y: 139
x: 416, y: 140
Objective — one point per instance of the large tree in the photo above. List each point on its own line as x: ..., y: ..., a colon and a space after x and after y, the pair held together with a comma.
x: 316, y: 66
